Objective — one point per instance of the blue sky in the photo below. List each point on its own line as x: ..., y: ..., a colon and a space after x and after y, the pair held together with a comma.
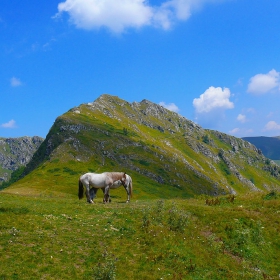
x: 215, y: 62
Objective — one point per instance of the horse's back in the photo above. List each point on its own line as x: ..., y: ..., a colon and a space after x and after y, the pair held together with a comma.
x: 85, y: 177
x: 96, y: 180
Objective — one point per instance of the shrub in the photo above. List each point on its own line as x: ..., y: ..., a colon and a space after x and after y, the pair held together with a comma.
x: 272, y: 195
x: 205, y: 139
x: 177, y: 220
x: 107, y: 269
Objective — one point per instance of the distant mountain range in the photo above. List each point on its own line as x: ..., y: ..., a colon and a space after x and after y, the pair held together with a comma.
x: 270, y: 146
x: 166, y: 154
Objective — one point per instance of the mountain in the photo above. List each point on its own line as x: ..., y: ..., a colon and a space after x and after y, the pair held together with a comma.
x: 270, y: 146
x: 166, y: 154
x: 15, y: 153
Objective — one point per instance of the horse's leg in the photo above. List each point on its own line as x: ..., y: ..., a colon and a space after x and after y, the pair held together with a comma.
x: 109, y: 197
x: 92, y: 193
x: 106, y: 194
x: 103, y: 189
x: 128, y: 195
x: 88, y: 195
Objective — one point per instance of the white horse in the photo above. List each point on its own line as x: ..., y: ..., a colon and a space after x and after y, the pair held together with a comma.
x: 99, y: 181
x: 127, y: 185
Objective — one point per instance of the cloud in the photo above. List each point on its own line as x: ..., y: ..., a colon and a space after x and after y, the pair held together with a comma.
x: 244, y: 132
x: 170, y: 106
x: 15, y: 82
x: 239, y: 82
x: 251, y: 110
x: 115, y: 15
x: 174, y: 10
x: 264, y: 83
x: 234, y: 131
x: 272, y: 125
x: 212, y: 99
x: 120, y: 15
x: 241, y: 118
x: 9, y: 124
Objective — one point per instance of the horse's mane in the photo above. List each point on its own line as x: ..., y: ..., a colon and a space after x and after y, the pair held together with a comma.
x: 115, y: 173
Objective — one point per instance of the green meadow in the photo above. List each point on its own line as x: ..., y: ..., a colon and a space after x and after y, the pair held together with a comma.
x: 60, y: 237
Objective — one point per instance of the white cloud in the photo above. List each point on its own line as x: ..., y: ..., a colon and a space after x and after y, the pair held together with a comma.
x: 234, y: 131
x: 212, y: 99
x: 241, y: 118
x: 244, y: 132
x: 239, y: 82
x: 251, y: 110
x: 170, y: 106
x: 119, y: 15
x: 15, y: 82
x: 173, y: 10
x: 115, y: 15
x: 264, y: 83
x: 272, y: 125
x: 9, y: 124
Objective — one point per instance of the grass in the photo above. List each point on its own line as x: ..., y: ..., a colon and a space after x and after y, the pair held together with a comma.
x: 50, y: 237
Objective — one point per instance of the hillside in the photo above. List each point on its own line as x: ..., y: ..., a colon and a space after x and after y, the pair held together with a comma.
x: 166, y: 154
x: 270, y: 146
x: 16, y: 153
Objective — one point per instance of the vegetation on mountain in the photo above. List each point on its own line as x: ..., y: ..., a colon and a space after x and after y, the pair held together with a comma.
x: 166, y: 154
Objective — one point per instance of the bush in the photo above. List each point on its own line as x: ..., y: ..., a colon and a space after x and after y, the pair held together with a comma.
x: 107, y: 269
x: 272, y: 195
x: 177, y: 220
x: 174, y: 219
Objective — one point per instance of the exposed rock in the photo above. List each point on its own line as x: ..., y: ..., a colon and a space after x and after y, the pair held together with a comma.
x: 16, y: 152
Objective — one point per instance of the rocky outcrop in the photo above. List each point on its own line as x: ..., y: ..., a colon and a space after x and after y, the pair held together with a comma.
x: 16, y: 152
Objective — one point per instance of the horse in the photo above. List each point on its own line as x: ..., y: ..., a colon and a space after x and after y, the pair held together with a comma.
x: 99, y: 181
x: 127, y: 185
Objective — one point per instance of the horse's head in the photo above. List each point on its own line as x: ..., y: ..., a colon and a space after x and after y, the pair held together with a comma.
x: 123, y: 179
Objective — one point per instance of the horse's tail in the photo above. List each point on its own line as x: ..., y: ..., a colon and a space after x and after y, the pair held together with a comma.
x: 81, y: 189
x: 130, y: 187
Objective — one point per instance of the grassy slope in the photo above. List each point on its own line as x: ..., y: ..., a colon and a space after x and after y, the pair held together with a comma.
x: 49, y: 237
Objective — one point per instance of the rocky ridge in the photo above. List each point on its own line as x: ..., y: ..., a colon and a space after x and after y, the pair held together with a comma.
x: 16, y: 152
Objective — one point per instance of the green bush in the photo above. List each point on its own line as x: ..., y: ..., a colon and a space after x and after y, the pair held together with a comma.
x: 106, y: 269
